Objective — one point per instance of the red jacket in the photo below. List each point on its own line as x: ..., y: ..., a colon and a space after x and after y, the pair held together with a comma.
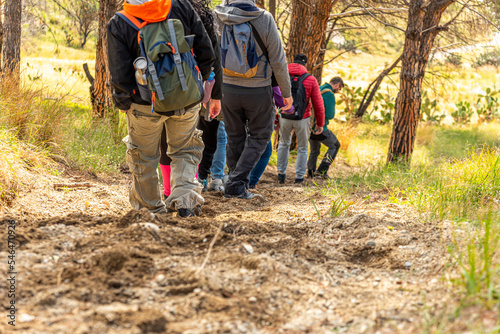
x: 312, y: 92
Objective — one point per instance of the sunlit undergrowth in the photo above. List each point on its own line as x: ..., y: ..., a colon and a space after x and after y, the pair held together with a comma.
x: 454, y: 179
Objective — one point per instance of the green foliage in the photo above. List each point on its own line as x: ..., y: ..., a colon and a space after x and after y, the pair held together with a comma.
x: 93, y: 144
x: 463, y: 113
x: 351, y: 98
x: 429, y: 110
x: 384, y: 104
x: 454, y: 60
x: 491, y: 58
x: 348, y: 45
x: 487, y: 106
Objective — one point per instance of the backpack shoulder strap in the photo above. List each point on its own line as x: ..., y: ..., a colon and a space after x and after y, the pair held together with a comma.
x: 274, y: 82
x: 303, y: 77
x: 133, y: 21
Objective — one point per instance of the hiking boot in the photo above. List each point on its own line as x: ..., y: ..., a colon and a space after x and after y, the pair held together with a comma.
x: 185, y: 213
x: 281, y: 178
x: 216, y: 185
x: 246, y: 195
x: 299, y: 181
x: 204, y: 184
x: 310, y: 173
x: 320, y: 175
x: 252, y: 186
x: 322, y: 170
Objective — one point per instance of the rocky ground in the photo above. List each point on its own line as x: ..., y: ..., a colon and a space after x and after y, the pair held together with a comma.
x: 87, y: 263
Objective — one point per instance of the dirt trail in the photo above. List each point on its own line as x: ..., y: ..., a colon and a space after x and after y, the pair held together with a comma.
x: 87, y: 264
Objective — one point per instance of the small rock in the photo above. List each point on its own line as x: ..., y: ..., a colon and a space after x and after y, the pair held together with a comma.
x: 252, y: 299
x: 375, y: 284
x: 408, y: 265
x: 248, y: 248
x: 371, y: 243
x: 24, y: 317
x: 373, y: 235
x: 197, y: 290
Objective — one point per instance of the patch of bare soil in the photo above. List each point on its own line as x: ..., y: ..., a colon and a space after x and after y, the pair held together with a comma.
x: 87, y: 263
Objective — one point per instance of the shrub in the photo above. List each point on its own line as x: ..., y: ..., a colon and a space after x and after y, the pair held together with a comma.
x: 429, y: 110
x: 463, y: 113
x: 487, y: 105
x: 454, y: 59
x: 488, y: 58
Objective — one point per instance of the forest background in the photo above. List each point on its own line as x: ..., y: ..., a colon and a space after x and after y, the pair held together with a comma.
x: 418, y: 118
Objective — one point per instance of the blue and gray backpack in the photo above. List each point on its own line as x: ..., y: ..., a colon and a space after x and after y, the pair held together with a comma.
x: 174, y: 80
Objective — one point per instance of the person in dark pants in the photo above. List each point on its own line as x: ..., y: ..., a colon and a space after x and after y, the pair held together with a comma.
x: 209, y: 136
x: 247, y: 104
x: 327, y: 137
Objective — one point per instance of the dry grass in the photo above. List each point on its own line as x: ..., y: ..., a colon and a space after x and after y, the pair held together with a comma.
x: 29, y: 121
x: 19, y: 162
x: 34, y: 114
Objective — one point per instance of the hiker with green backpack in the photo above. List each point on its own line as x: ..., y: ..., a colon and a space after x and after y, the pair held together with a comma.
x: 252, y: 55
x: 159, y: 56
x: 327, y: 137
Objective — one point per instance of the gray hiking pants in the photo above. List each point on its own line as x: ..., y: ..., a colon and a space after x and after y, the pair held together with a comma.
x: 143, y: 155
x: 302, y: 131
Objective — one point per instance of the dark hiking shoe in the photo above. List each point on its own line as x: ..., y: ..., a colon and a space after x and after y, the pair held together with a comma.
x: 322, y: 175
x: 184, y: 213
x: 252, y: 186
x: 246, y: 195
x: 281, y: 178
x: 299, y: 181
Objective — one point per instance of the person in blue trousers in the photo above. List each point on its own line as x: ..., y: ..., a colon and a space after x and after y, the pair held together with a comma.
x: 219, y: 160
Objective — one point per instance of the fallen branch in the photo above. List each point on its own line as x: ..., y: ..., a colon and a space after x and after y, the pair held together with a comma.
x: 72, y: 185
x: 200, y: 269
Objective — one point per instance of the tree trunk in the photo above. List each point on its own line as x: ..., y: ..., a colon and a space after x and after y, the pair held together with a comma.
x: 100, y: 94
x: 423, y: 26
x: 272, y: 8
x: 307, y: 30
x: 12, y: 36
x: 1, y: 40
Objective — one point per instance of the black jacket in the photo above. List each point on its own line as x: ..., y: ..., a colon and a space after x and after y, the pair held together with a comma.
x: 123, y: 49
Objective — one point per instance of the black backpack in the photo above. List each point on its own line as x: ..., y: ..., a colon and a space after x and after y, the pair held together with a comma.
x: 299, y: 97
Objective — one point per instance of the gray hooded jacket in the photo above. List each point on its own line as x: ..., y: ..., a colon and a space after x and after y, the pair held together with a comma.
x: 266, y: 27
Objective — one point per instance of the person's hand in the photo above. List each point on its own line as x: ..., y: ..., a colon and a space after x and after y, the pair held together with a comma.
x: 214, y: 108
x: 288, y: 103
x: 317, y: 130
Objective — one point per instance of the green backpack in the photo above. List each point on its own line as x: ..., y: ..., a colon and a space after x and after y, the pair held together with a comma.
x: 174, y: 80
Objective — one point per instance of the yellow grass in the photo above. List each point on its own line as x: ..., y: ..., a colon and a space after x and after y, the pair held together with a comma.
x: 18, y: 163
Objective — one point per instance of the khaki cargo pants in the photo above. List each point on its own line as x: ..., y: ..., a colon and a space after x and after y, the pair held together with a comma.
x: 143, y: 154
